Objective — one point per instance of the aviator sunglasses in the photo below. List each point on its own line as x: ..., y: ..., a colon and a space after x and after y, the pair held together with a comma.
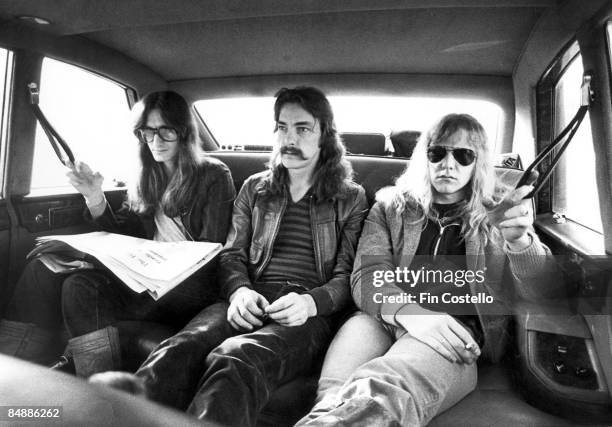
x: 463, y: 156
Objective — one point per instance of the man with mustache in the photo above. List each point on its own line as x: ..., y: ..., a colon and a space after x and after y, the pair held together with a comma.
x: 284, y: 270
x: 286, y: 265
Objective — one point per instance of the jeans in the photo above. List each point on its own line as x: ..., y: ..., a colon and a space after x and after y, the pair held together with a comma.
x: 242, y: 372
x: 33, y: 322
x: 92, y: 300
x: 394, y: 380
x: 37, y: 297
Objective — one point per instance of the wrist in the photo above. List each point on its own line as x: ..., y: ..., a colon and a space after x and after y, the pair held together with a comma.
x: 311, y: 306
x: 94, y: 199
x: 520, y: 244
x: 237, y: 292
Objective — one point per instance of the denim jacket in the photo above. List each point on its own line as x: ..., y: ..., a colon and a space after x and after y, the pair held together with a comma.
x: 336, y: 228
x: 205, y: 219
x: 390, y: 240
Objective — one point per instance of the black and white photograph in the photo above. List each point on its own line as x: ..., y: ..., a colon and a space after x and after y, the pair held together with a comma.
x: 310, y: 213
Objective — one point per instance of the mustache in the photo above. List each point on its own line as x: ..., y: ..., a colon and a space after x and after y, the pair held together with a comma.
x: 293, y: 151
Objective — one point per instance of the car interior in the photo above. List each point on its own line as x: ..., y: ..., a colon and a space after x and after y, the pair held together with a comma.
x: 389, y: 68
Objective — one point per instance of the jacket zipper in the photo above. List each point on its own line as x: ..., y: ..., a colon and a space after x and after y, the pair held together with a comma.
x: 439, y: 238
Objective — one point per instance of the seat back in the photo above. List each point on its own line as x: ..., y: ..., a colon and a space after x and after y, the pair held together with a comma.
x: 372, y: 144
x: 373, y: 173
x: 404, y: 141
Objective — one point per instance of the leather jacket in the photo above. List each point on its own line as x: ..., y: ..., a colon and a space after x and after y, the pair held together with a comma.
x: 205, y: 219
x: 336, y: 228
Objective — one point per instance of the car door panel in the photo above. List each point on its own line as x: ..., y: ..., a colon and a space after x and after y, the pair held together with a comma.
x: 564, y: 343
x: 5, y: 226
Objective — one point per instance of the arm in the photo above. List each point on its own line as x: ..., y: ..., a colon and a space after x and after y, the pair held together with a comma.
x: 335, y: 294
x: 98, y: 211
x: 535, y: 271
x: 531, y: 263
x: 374, y: 254
x: 216, y: 209
x: 124, y: 221
x: 233, y: 259
x: 247, y: 307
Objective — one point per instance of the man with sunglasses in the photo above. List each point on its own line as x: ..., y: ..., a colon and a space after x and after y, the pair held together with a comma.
x: 450, y: 270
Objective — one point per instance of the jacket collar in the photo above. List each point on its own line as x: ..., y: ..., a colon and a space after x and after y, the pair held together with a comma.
x: 413, y: 228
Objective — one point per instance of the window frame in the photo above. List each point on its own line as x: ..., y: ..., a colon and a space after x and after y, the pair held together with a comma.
x: 5, y: 112
x: 131, y: 97
x: 546, y: 116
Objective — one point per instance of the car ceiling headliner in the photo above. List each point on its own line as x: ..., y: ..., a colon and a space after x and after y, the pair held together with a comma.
x: 194, y: 39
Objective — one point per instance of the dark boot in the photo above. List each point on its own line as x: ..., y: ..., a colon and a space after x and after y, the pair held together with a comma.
x: 26, y: 341
x: 96, y: 351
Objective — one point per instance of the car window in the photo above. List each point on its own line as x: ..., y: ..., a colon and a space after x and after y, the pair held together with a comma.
x: 92, y: 114
x: 6, y: 69
x: 375, y: 114
x: 576, y: 188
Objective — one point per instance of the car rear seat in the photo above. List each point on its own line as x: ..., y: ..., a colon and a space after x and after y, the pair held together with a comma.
x: 493, y: 402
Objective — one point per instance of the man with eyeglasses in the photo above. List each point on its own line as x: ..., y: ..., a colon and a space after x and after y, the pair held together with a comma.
x: 284, y: 271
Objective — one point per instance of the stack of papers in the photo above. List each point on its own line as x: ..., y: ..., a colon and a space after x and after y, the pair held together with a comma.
x: 143, y: 265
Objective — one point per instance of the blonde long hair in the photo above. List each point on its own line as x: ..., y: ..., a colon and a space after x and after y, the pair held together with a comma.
x: 415, y: 186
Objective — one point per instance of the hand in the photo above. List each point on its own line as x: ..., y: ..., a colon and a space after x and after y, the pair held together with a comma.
x: 518, y: 219
x: 87, y: 182
x: 292, y: 309
x: 246, y: 309
x: 513, y: 217
x: 442, y: 333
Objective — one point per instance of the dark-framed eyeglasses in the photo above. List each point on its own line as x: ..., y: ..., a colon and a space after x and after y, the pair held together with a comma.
x: 463, y: 156
x: 147, y: 134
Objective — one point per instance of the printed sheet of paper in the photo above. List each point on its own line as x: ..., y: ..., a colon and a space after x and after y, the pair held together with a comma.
x: 140, y: 263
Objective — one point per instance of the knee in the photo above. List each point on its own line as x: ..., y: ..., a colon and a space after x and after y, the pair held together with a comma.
x: 368, y: 329
x: 81, y: 285
x: 235, y: 354
x: 188, y: 342
x: 226, y: 351
x: 36, y: 278
x: 81, y: 293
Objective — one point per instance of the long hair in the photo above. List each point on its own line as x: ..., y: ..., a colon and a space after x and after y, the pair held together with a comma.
x: 332, y: 173
x: 415, y: 185
x: 153, y: 187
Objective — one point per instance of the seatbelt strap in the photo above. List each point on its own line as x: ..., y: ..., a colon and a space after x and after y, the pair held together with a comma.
x: 61, y: 147
x: 569, y: 131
